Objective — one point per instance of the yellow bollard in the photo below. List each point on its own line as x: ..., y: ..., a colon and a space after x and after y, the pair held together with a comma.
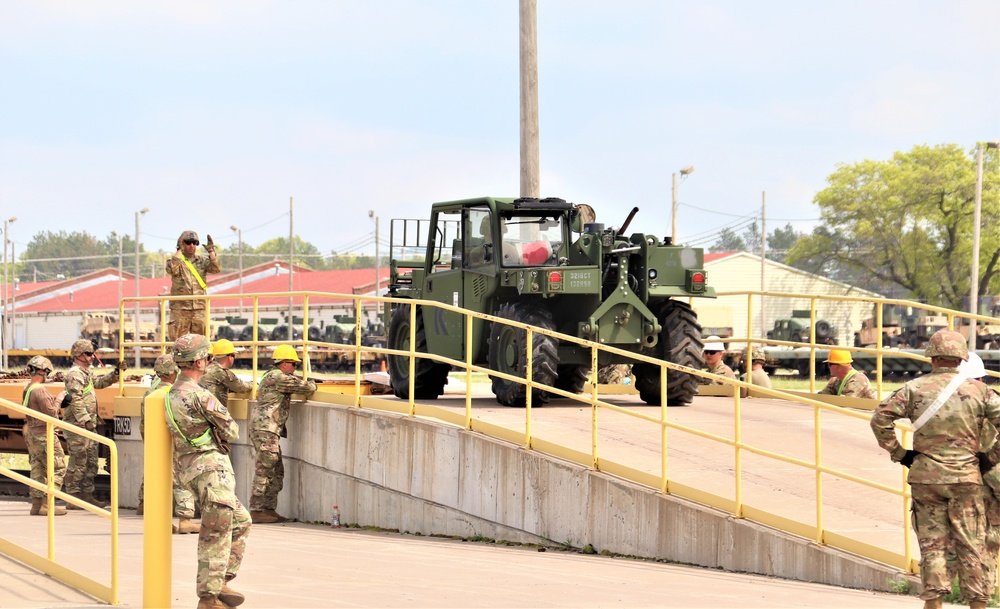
x: 157, y: 469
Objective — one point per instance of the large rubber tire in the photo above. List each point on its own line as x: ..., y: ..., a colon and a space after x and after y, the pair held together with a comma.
x: 508, y: 353
x: 429, y: 376
x: 680, y: 343
x: 572, y: 378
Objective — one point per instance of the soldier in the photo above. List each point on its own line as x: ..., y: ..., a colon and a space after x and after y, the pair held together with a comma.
x: 758, y: 376
x: 219, y: 379
x: 615, y: 374
x: 201, y: 430
x: 844, y: 379
x: 82, y: 412
x: 166, y: 373
x: 38, y: 399
x: 947, y: 410
x: 975, y: 369
x: 267, y: 424
x: 187, y: 271
x: 713, y: 351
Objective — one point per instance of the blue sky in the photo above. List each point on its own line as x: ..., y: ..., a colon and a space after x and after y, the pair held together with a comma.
x: 215, y: 113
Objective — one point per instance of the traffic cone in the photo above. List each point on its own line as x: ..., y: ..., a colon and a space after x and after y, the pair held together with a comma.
x: 382, y: 367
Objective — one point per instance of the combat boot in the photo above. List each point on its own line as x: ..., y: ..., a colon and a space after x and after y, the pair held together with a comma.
x: 976, y: 605
x: 231, y: 597
x: 266, y: 517
x: 36, y: 506
x: 73, y: 506
x: 44, y: 510
x: 139, y: 509
x: 185, y: 526
x: 211, y: 602
x: 89, y: 498
x: 933, y: 604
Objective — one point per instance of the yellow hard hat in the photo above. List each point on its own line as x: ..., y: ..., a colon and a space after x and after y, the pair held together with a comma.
x: 839, y: 356
x: 223, y: 347
x: 285, y: 353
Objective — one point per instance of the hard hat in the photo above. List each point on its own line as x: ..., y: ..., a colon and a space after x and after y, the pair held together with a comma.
x: 164, y: 366
x: 188, y: 235
x: 285, y: 353
x: 947, y: 343
x: 40, y: 363
x: 80, y: 347
x: 713, y: 343
x: 839, y: 356
x: 223, y: 347
x: 972, y: 367
x: 756, y: 356
x: 190, y: 348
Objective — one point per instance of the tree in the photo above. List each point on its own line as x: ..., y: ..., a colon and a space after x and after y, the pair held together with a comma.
x: 306, y: 254
x: 50, y: 254
x: 728, y: 241
x: 907, y: 221
x: 780, y: 241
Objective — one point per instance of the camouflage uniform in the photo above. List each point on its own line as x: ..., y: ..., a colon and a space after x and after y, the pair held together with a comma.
x: 82, y: 412
x: 188, y: 316
x: 614, y: 374
x: 720, y: 369
x: 944, y: 477
x: 267, y: 423
x: 183, y: 497
x: 203, y: 467
x: 221, y: 381
x: 855, y: 384
x: 38, y: 399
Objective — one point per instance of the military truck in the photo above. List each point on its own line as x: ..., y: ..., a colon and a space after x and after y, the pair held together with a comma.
x: 902, y: 326
x: 546, y: 263
x: 102, y: 329
x: 796, y: 329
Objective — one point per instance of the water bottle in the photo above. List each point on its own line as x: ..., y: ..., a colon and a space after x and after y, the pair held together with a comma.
x: 335, y: 518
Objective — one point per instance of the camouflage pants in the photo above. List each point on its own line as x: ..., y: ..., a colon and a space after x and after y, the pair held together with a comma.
x: 269, y: 471
x: 613, y: 374
x: 183, y: 498
x: 36, y: 457
x: 82, y: 467
x: 185, y: 321
x: 225, y: 524
x: 951, y: 516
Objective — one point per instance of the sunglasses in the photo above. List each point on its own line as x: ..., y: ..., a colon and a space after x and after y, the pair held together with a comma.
x: 89, y: 353
x: 191, y: 242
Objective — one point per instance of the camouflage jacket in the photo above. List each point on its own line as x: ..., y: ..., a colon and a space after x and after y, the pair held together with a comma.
x: 37, y: 398
x: 856, y: 385
x: 190, y: 411
x: 722, y: 370
x: 184, y: 283
x: 949, y: 441
x: 760, y: 378
x: 274, y: 396
x: 80, y: 386
x: 157, y: 385
x: 221, y: 382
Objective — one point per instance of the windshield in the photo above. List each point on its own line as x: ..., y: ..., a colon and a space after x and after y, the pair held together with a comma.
x: 533, y: 240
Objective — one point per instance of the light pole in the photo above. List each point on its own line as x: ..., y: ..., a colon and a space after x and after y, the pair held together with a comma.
x: 115, y: 234
x: 6, y: 285
x: 378, y: 279
x: 135, y: 335
x: 686, y: 171
x: 974, y: 291
x: 239, y: 236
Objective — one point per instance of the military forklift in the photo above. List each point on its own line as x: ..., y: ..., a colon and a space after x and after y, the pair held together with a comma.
x: 546, y: 263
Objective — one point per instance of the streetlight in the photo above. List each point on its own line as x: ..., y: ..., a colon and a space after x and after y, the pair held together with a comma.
x: 686, y: 171
x: 6, y: 285
x: 115, y: 234
x: 974, y: 292
x: 135, y: 336
x: 239, y: 235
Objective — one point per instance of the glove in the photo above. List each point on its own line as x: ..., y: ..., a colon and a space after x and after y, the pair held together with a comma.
x: 122, y: 366
x: 985, y: 465
x: 90, y: 425
x: 209, y: 244
x: 908, y: 458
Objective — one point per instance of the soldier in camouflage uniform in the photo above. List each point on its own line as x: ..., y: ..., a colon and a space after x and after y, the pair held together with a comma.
x: 219, y: 379
x: 187, y: 271
x: 82, y: 412
x: 183, y: 499
x: 713, y: 351
x: 844, y: 379
x: 614, y: 374
x: 38, y: 399
x: 945, y: 466
x: 201, y: 429
x: 267, y: 424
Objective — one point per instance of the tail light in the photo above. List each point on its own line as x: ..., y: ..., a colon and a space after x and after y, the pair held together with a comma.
x: 696, y: 281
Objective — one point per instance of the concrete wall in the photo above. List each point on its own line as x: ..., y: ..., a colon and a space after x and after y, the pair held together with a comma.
x: 420, y: 476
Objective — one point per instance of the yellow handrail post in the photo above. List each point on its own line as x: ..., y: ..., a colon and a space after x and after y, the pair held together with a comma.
x: 256, y: 351
x: 593, y: 407
x: 817, y: 421
x: 879, y: 346
x: 413, y: 358
x: 357, y: 352
x: 50, y: 499
x: 812, y: 346
x: 157, y: 472
x: 748, y: 360
x: 664, y: 486
x: 738, y: 445
x: 529, y: 387
x: 468, y: 371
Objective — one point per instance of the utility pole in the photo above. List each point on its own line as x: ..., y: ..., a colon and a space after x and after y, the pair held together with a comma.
x: 976, y: 220
x: 239, y: 237
x: 530, y: 180
x: 135, y: 335
x: 291, y: 262
x: 763, y: 260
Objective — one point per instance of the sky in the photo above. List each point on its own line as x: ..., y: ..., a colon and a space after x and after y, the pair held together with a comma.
x: 213, y: 114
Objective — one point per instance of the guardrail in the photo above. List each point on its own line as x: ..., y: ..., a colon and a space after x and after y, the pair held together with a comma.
x: 48, y: 564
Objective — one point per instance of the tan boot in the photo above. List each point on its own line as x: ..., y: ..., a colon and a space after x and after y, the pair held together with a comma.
x: 36, y: 506
x: 211, y: 602
x: 89, y: 498
x: 231, y: 597
x: 266, y: 517
x: 186, y: 525
x: 44, y: 510
x: 139, y: 509
x: 933, y: 604
x: 71, y: 506
x: 976, y: 605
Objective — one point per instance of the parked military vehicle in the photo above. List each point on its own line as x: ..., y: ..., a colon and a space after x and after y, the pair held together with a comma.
x: 103, y: 330
x: 796, y: 329
x: 545, y: 263
x: 987, y: 333
x: 716, y: 320
x: 902, y: 326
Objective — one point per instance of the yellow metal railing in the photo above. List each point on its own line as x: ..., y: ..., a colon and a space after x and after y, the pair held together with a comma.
x: 48, y: 564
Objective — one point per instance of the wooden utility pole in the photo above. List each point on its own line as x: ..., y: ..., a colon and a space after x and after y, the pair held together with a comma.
x: 763, y: 260
x: 530, y: 181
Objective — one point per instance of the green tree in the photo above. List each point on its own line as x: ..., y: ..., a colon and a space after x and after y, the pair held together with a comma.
x: 306, y: 254
x: 780, y: 241
x: 50, y: 254
x: 728, y: 241
x: 907, y: 222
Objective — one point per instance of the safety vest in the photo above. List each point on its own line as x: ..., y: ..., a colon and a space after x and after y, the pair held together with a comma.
x: 194, y: 271
x: 840, y: 388
x: 201, y: 440
x: 27, y: 392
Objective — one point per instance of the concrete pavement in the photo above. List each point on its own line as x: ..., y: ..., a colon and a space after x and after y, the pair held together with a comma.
x: 310, y: 565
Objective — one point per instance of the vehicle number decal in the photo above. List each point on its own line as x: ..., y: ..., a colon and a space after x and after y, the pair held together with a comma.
x: 579, y: 279
x: 123, y: 426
